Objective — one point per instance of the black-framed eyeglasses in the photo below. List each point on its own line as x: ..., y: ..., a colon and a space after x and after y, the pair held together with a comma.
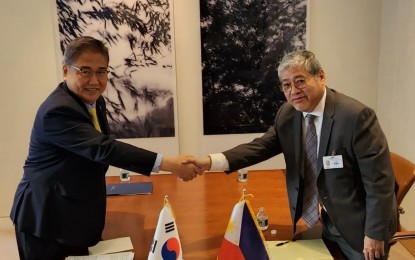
x: 298, y: 83
x: 88, y: 72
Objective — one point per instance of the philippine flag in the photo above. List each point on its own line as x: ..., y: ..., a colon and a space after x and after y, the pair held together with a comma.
x: 243, y: 240
x: 166, y: 243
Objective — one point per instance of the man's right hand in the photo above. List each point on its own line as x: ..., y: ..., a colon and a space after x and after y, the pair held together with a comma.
x: 203, y: 163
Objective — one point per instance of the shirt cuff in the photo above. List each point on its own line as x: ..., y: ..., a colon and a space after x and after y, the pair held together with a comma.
x: 156, y: 167
x: 219, y: 162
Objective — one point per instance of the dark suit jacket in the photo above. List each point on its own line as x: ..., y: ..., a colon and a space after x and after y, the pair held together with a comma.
x: 359, y: 197
x: 62, y: 193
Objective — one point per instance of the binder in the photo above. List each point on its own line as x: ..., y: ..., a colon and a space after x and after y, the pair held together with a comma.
x: 130, y: 188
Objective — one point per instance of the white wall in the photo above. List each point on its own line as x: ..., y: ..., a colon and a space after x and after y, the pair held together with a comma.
x: 344, y: 35
x: 28, y: 73
x: 396, y: 89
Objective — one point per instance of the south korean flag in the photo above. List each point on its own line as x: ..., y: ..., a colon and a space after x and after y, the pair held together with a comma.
x: 166, y: 243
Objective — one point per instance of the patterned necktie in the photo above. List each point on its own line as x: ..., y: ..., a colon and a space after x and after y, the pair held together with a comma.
x: 93, y: 113
x: 310, y: 201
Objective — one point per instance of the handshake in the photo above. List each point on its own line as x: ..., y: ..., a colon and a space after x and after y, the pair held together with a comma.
x: 186, y: 167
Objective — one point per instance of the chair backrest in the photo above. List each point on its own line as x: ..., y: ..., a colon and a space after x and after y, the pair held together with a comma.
x: 404, y: 175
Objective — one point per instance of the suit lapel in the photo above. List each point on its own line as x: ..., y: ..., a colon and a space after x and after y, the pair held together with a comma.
x: 326, y: 128
x: 298, y: 137
x: 101, y: 110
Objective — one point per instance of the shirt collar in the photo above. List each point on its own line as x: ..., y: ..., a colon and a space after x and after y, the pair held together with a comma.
x: 89, y: 106
x: 319, y: 110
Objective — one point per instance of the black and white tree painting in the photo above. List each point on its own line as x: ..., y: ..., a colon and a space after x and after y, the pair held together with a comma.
x: 242, y: 43
x: 142, y: 80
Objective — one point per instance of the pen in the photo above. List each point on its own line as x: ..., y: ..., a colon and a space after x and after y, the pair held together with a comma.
x: 282, y: 243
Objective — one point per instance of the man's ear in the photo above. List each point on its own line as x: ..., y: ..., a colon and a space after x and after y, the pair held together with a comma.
x: 65, y: 71
x: 322, y: 75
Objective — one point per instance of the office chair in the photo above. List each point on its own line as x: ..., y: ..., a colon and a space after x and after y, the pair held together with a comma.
x: 405, y: 176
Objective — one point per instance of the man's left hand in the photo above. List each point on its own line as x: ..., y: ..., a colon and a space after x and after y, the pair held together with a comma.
x: 373, y: 249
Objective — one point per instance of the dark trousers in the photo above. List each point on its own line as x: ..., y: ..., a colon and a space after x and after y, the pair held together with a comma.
x: 330, y: 233
x: 36, y: 248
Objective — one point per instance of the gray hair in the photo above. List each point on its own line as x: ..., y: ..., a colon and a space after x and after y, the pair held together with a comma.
x: 300, y: 58
x: 83, y: 44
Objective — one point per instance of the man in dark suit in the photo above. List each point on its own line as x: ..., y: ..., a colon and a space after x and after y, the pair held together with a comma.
x: 59, y: 206
x: 355, y: 181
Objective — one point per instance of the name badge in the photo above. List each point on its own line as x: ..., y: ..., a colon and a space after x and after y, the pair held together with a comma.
x: 333, y: 162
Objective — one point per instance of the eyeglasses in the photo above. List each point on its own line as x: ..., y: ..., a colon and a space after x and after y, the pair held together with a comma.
x: 298, y: 83
x: 88, y: 73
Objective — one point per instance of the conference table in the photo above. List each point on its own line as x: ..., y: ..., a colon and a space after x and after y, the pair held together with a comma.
x: 202, y: 208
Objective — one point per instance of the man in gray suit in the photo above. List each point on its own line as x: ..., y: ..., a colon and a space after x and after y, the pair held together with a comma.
x: 355, y: 181
x: 59, y: 206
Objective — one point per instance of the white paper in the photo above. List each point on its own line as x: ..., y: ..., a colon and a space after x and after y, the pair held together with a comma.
x: 116, y: 256
x: 111, y: 246
x: 112, y: 249
x: 313, y: 249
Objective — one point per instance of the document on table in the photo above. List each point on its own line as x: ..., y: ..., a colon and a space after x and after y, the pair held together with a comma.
x: 112, y: 249
x: 115, y: 256
x: 299, y: 250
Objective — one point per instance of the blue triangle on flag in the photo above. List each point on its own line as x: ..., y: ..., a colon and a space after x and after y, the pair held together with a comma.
x: 251, y: 243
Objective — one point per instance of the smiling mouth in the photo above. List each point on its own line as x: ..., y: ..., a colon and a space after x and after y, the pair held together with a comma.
x: 92, y: 89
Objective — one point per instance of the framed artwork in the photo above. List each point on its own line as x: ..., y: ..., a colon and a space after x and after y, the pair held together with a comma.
x: 242, y: 42
x: 142, y: 79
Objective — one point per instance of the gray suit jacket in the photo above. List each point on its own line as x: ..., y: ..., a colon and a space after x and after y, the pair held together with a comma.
x: 359, y: 197
x: 62, y: 194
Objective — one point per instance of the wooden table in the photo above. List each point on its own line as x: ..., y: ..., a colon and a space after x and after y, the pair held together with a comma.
x: 202, y: 207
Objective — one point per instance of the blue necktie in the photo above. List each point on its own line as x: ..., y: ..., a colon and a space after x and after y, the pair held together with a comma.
x: 310, y: 199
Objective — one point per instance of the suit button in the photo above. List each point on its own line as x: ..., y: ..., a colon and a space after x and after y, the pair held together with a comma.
x: 293, y: 208
x: 296, y: 188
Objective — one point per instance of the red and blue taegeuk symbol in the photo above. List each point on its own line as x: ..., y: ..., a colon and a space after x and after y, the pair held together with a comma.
x: 171, y: 249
